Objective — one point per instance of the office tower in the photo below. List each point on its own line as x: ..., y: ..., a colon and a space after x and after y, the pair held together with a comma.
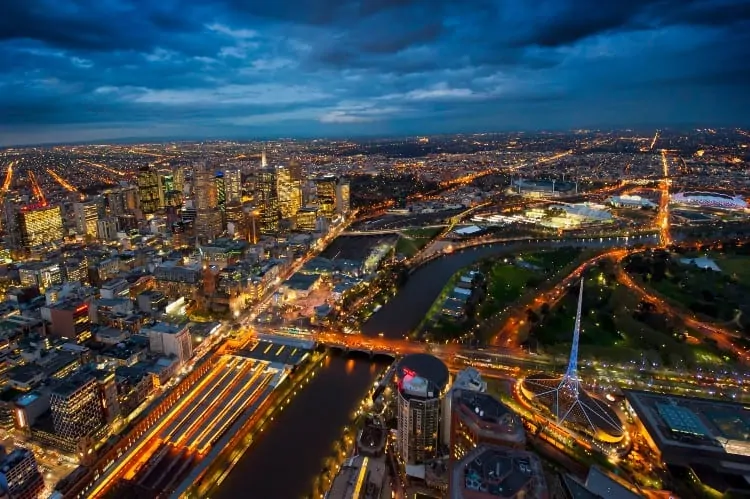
x: 148, y: 190
x: 178, y: 175
x: 422, y: 381
x: 295, y: 170
x: 40, y: 225
x: 236, y: 216
x: 233, y: 185
x: 166, y: 186
x: 307, y: 219
x: 263, y: 161
x: 267, y: 191
x: 342, y: 197
x: 325, y: 188
x: 76, y: 407
x: 132, y: 199
x: 86, y: 215
x: 208, y: 224
x: 289, y: 198
x: 70, y: 320
x: 221, y: 192
x: 115, y: 202
x: 19, y: 475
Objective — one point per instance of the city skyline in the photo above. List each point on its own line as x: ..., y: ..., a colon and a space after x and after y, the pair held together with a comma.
x: 127, y: 70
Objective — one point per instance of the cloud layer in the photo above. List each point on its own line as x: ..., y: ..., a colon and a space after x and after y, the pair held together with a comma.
x: 106, y: 69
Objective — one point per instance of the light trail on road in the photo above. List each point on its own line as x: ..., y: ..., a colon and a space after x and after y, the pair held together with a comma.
x: 8, y: 177
x: 103, y: 167
x: 64, y: 183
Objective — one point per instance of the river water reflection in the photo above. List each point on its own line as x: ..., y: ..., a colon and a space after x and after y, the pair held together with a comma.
x: 285, y: 460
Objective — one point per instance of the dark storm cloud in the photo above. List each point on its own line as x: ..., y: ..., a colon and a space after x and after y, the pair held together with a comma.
x: 124, y: 67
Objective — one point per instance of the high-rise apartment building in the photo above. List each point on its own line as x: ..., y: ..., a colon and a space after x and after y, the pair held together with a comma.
x: 149, y: 191
x: 40, y: 225
x: 422, y: 382
x: 86, y: 215
x: 268, y: 201
x: 325, y: 188
x: 76, y: 407
x: 208, y: 219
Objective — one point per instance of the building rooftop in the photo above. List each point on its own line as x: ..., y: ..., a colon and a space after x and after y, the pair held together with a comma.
x: 426, y: 367
x: 490, y: 471
x: 165, y: 328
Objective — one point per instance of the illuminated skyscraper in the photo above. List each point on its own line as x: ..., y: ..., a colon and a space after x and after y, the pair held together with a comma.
x: 221, y: 193
x: 87, y: 215
x: 342, y: 197
x: 40, y: 225
x: 326, y: 193
x: 422, y: 382
x: 233, y: 185
x: 207, y: 217
x: 149, y: 190
x: 263, y: 160
x: 268, y: 202
x: 290, y: 192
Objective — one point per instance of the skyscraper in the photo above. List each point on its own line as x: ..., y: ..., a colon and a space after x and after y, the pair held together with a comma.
x: 342, y: 197
x: 268, y: 202
x: 87, y: 215
x: 221, y: 193
x: 40, y: 225
x: 422, y: 382
x: 233, y: 185
x: 263, y: 160
x: 148, y: 190
x: 290, y: 192
x: 326, y: 193
x: 207, y: 217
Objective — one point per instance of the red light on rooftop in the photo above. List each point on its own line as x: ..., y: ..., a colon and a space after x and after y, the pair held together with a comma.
x: 82, y: 308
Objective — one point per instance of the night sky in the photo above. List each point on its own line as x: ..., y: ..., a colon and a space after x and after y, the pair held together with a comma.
x: 88, y: 70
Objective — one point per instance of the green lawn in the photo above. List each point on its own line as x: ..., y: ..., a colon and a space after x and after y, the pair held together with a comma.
x: 505, y: 284
x: 735, y: 265
x: 613, y: 327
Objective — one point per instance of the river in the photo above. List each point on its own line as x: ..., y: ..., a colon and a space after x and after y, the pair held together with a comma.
x: 284, y: 461
x: 402, y: 313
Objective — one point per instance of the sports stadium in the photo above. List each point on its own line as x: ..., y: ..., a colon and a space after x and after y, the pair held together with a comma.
x: 710, y: 200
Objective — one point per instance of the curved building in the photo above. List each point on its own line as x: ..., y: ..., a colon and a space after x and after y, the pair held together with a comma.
x: 710, y: 199
x: 422, y: 383
x: 578, y: 410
